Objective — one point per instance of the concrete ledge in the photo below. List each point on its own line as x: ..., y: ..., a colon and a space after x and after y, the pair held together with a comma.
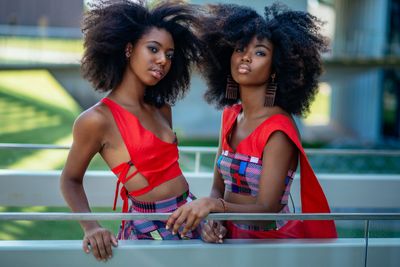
x: 193, y: 253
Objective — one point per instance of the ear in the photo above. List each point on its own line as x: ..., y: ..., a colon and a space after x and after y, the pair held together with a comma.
x: 128, y: 50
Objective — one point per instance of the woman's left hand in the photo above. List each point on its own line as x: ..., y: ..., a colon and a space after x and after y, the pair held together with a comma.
x: 190, y: 214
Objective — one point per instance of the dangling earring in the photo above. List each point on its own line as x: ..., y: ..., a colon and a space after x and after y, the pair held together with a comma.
x: 271, y: 92
x: 127, y: 53
x: 232, y: 88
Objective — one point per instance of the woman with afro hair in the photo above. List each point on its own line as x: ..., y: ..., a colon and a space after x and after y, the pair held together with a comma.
x: 142, y: 57
x: 262, y: 71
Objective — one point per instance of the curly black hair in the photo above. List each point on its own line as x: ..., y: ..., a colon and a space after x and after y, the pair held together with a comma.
x: 111, y: 24
x: 296, y: 58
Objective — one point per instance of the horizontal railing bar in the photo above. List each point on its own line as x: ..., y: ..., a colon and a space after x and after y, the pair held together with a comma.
x: 194, y: 149
x: 32, y: 146
x: 65, y: 216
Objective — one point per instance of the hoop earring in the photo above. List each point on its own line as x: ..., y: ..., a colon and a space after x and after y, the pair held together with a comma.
x: 270, y: 94
x: 232, y: 88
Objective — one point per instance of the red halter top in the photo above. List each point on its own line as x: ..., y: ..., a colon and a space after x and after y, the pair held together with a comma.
x: 153, y: 158
x: 313, y: 199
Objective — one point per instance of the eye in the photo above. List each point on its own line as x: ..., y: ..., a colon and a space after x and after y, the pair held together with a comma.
x: 170, y: 55
x: 153, y: 49
x: 239, y: 49
x: 260, y: 53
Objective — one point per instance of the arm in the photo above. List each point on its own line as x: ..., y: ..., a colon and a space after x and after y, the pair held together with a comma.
x: 87, y: 134
x: 194, y: 212
x: 279, y: 153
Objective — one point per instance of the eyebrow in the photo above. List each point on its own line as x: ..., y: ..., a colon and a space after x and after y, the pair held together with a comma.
x: 263, y: 45
x: 159, y: 44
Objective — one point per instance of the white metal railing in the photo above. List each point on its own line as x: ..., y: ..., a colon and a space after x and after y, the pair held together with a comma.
x: 198, y: 151
x: 66, y: 216
x: 367, y: 217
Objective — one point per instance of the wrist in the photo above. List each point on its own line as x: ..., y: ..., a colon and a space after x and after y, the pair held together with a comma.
x: 89, y: 225
x: 217, y: 205
x: 222, y: 204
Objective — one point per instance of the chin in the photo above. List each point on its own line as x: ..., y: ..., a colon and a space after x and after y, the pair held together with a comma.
x: 151, y: 81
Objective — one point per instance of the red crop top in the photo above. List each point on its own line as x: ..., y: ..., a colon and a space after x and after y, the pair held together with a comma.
x: 153, y: 158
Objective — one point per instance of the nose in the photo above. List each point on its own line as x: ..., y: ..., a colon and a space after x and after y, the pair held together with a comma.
x: 246, y: 58
x: 162, y: 59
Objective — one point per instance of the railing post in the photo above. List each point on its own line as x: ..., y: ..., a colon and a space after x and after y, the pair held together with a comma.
x: 366, y: 236
x: 197, y: 162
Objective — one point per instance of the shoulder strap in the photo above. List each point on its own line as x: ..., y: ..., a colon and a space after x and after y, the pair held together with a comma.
x: 313, y: 199
x: 229, y: 116
x: 127, y: 126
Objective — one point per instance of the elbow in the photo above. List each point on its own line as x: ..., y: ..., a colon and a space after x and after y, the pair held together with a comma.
x: 68, y: 184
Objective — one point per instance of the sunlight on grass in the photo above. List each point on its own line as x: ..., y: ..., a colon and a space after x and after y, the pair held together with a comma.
x: 44, y: 159
x: 8, y: 127
x: 34, y: 108
x: 320, y: 108
x: 47, y: 230
x: 38, y: 85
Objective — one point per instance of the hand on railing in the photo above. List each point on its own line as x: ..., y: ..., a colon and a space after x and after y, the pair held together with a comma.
x: 190, y: 215
x: 213, y: 232
x: 99, y: 240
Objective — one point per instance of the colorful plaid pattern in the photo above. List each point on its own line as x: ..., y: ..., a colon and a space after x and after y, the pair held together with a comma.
x: 155, y: 230
x: 241, y: 174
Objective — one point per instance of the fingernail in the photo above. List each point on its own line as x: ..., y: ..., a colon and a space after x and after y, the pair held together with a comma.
x: 220, y: 236
x: 173, y: 232
x: 87, y: 251
x: 167, y: 227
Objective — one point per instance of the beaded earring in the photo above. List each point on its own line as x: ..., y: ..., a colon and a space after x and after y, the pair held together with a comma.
x: 270, y: 93
x: 232, y: 88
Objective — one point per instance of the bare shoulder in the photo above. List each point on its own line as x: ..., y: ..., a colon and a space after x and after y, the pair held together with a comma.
x: 280, y: 143
x: 280, y: 111
x: 93, y: 120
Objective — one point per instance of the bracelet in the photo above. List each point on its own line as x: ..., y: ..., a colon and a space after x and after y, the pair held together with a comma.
x: 223, y: 204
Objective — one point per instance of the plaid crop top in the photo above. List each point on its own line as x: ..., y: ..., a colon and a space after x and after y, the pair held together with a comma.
x: 241, y: 174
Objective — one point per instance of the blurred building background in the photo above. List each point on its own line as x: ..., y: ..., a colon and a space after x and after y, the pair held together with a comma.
x: 361, y: 85
x: 42, y: 13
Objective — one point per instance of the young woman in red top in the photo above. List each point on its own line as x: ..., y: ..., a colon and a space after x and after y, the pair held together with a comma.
x: 262, y: 70
x: 142, y: 57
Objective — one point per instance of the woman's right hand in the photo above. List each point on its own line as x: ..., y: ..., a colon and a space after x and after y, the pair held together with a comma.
x: 213, y: 232
x: 99, y: 240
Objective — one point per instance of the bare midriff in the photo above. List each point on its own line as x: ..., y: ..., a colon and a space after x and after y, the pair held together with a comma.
x: 171, y: 188
x: 245, y: 200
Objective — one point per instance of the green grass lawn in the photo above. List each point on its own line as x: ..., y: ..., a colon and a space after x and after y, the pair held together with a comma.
x: 46, y: 230
x: 34, y: 109
x: 45, y: 44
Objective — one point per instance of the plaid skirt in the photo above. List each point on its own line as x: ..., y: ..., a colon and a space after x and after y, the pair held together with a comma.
x: 155, y: 230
